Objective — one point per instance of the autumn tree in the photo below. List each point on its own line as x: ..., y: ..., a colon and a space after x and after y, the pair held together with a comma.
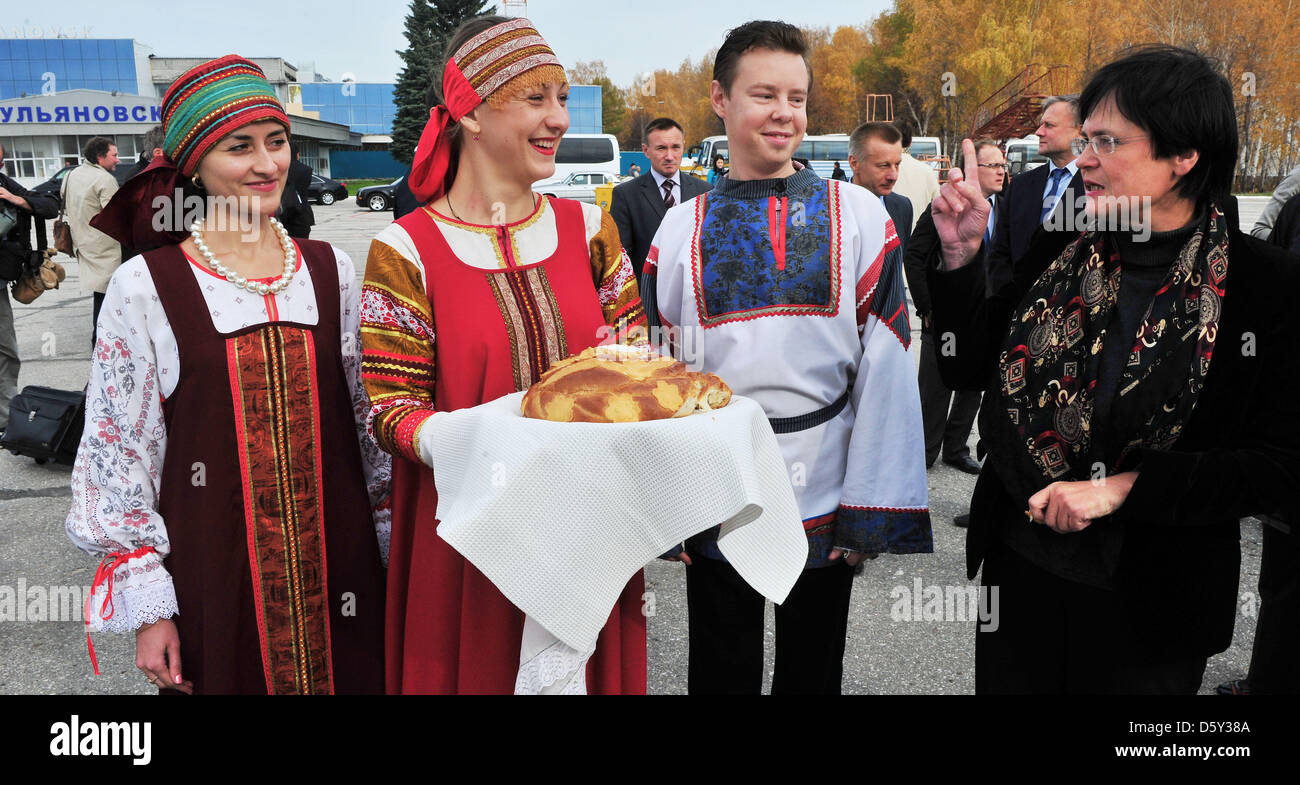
x: 837, y: 103
x: 682, y: 95
x: 882, y: 67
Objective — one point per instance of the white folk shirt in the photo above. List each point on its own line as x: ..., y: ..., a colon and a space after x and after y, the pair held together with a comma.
x: 792, y: 291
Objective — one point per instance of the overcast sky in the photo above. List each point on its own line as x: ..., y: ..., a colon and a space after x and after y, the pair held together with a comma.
x: 361, y: 37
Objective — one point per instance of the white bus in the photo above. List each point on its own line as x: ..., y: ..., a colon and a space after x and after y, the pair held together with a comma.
x: 585, y: 153
x: 820, y: 151
x: 1023, y: 155
x: 925, y: 145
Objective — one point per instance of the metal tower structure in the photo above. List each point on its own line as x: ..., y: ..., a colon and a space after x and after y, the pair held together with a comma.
x: 515, y: 8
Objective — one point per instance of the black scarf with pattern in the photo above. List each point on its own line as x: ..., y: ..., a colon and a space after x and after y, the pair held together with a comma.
x: 1048, y: 366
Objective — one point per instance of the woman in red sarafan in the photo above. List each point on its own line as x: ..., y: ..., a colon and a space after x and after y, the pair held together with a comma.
x: 470, y: 298
x: 226, y: 370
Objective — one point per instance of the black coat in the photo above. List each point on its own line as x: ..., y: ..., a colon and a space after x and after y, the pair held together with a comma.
x: 920, y: 248
x: 638, y: 208
x: 1239, y: 454
x: 1286, y: 229
x: 295, y: 206
x: 404, y: 202
x: 43, y: 207
x: 1018, y: 219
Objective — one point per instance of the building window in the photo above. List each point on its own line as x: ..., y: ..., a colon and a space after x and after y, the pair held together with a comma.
x: 31, y: 157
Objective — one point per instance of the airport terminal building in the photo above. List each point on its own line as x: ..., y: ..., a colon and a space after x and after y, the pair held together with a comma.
x: 56, y: 93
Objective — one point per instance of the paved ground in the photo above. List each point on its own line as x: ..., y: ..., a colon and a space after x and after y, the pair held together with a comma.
x: 883, y: 656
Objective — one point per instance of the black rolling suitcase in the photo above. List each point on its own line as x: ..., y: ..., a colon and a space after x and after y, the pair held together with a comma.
x: 45, y: 424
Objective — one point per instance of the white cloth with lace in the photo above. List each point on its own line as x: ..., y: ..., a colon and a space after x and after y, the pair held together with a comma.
x: 136, y: 364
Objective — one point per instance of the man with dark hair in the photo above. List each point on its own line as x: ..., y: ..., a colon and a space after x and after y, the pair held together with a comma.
x: 639, y: 204
x: 16, y: 241
x: 917, y: 181
x: 149, y: 149
x: 795, y: 281
x: 1142, y: 379
x: 86, y: 191
x: 1034, y: 195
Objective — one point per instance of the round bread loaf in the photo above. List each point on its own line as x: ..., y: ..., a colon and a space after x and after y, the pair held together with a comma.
x: 622, y: 384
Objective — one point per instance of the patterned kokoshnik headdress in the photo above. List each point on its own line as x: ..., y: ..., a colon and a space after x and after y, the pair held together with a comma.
x: 492, y: 66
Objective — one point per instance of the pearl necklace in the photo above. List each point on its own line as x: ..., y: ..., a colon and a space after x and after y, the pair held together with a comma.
x: 290, y: 261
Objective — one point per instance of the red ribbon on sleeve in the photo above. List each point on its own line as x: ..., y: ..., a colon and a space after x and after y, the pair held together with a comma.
x: 104, y: 575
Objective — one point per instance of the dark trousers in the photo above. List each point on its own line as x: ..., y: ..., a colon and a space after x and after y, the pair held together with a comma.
x: 1053, y: 636
x: 946, y: 429
x: 726, y: 631
x: 97, y: 303
x: 1277, y: 634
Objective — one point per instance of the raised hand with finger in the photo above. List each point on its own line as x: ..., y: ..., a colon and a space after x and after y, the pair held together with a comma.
x: 960, y: 211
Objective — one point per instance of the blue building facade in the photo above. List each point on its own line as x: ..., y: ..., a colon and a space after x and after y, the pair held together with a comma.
x: 37, y: 65
x: 585, y: 116
x: 367, y: 108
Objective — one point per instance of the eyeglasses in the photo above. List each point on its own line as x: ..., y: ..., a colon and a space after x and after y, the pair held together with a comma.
x: 1103, y: 144
x: 1003, y: 167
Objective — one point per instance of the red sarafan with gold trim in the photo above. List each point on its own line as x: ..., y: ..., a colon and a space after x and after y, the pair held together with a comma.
x: 280, y: 468
x: 278, y: 578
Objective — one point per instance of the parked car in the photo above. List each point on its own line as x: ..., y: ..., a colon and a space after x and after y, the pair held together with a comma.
x: 378, y: 197
x: 578, y: 185
x: 325, y: 190
x: 51, y: 186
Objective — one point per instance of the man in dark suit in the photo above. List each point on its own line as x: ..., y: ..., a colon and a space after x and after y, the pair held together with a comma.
x: 875, y: 151
x: 404, y: 202
x: 295, y: 206
x: 151, y: 148
x: 1033, y: 196
x: 638, y: 205
x: 947, y: 414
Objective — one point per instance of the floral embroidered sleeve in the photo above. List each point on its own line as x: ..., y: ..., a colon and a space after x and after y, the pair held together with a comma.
x: 397, y: 346
x: 615, y: 281
x: 115, y: 480
x: 376, y: 463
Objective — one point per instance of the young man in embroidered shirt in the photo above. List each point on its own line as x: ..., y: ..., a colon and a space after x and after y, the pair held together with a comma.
x: 790, y: 288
